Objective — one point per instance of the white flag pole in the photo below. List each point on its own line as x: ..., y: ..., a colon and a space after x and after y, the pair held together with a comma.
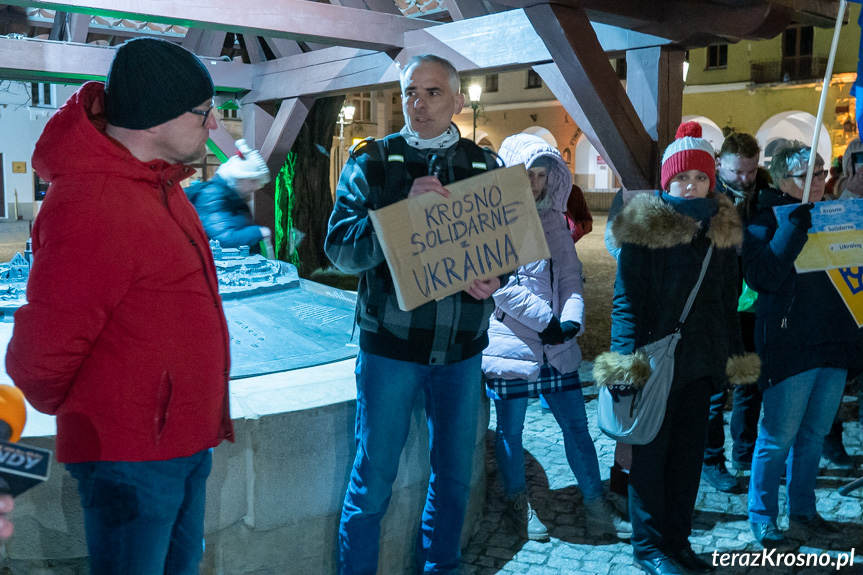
x: 822, y: 103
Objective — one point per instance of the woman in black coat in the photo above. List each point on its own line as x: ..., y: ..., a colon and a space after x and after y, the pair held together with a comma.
x: 663, y: 240
x: 808, y: 343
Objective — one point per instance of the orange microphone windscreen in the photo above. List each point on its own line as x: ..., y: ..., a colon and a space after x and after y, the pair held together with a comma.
x: 13, y: 410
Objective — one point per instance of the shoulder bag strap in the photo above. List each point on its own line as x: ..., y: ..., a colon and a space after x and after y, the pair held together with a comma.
x: 694, y: 291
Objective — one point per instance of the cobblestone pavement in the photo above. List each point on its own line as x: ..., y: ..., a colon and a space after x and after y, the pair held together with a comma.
x: 720, y: 522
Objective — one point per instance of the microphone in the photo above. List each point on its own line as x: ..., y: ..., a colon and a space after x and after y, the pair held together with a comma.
x: 21, y: 466
x: 437, y: 167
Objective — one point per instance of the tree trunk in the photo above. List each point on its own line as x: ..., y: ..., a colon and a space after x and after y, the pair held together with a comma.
x: 304, y: 192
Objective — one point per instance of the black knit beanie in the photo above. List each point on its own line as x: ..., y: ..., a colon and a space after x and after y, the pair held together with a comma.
x: 153, y: 81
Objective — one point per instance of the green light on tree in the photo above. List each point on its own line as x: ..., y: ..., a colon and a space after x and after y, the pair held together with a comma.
x: 285, y: 211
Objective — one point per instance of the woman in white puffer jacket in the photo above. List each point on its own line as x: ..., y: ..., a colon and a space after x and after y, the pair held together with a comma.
x: 533, y: 349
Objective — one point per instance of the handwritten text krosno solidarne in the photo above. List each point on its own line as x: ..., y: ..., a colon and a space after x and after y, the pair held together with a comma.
x: 461, y: 222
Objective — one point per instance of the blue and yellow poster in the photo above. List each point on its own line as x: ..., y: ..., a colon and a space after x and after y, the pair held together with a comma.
x: 836, y: 236
x: 849, y: 284
x: 835, y: 245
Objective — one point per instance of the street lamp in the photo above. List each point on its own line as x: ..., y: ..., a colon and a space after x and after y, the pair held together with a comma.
x: 346, y: 116
x: 474, y: 92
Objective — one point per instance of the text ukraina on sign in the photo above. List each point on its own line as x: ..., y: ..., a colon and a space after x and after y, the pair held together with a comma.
x: 437, y: 246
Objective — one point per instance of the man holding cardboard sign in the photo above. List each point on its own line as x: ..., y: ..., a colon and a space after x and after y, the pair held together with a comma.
x: 436, y: 347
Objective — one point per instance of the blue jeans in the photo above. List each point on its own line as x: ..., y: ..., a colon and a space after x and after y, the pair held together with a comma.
x: 385, y: 398
x: 568, y: 409
x: 798, y: 412
x: 743, y: 426
x: 144, y: 517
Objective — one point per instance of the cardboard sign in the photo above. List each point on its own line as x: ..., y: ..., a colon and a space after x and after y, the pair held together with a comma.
x: 437, y: 246
x: 835, y: 239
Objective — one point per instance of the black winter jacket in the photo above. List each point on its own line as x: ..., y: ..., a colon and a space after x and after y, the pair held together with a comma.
x: 437, y: 332
x: 801, y: 323
x: 225, y: 215
x: 660, y: 260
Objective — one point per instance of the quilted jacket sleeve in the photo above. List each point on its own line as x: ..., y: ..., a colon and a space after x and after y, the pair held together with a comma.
x: 633, y: 275
x: 224, y: 215
x: 570, y: 287
x: 351, y: 242
x: 522, y: 305
x: 730, y: 295
x: 769, y: 251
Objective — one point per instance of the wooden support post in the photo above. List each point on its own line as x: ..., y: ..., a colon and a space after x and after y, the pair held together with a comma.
x: 584, y: 81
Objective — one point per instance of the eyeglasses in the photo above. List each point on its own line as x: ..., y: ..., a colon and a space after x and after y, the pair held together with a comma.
x: 204, y: 113
x: 818, y: 174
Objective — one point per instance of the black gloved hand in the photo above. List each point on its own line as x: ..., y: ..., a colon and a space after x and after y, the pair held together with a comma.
x: 569, y: 329
x: 553, y: 334
x: 802, y: 216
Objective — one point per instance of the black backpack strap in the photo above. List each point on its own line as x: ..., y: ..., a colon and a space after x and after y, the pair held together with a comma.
x: 470, y: 160
x: 393, y: 155
x: 392, y: 171
x: 374, y: 167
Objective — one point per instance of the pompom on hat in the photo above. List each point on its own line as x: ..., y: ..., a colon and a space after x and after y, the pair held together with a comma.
x: 153, y: 81
x: 246, y: 164
x: 689, y: 151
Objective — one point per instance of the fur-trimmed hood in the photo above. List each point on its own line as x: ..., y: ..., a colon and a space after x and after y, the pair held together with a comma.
x: 653, y: 223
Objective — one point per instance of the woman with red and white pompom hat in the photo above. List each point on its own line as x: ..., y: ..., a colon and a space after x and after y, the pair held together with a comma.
x: 663, y: 239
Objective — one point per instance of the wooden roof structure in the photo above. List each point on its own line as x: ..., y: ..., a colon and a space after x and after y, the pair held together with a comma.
x: 293, y: 51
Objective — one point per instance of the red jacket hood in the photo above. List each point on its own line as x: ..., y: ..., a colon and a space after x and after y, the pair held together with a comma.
x: 74, y: 142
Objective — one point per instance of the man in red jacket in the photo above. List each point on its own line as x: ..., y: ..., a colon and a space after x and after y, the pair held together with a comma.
x: 123, y: 337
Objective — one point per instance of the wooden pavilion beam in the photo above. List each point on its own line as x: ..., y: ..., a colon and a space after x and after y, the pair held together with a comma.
x: 79, y: 27
x: 254, y: 49
x: 257, y: 122
x: 585, y: 83
x: 328, y: 71
x: 209, y: 44
x: 464, y: 9
x: 281, y: 135
x: 41, y: 61
x: 500, y: 41
x: 654, y: 84
x: 282, y: 48
x: 58, y: 29
x: 292, y: 19
x: 222, y: 138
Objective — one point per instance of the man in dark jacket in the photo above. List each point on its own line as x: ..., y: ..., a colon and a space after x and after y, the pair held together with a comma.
x: 808, y: 343
x: 435, y: 348
x: 739, y: 177
x: 123, y: 337
x: 222, y: 203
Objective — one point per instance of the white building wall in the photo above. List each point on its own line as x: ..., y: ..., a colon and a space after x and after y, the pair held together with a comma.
x: 21, y: 124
